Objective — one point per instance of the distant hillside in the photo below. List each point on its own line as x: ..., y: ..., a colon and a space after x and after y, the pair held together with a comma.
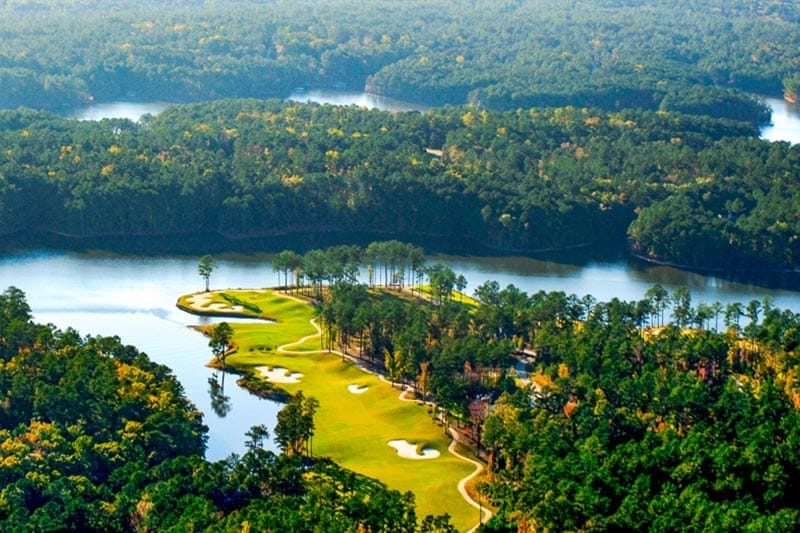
x: 693, y: 56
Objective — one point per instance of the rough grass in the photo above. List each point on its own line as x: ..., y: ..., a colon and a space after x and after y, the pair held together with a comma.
x: 233, y: 300
x: 458, y: 297
x: 353, y: 429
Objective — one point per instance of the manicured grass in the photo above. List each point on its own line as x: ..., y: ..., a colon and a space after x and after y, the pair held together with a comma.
x: 353, y: 429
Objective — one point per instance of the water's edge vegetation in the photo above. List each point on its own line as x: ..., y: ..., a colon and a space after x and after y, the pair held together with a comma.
x: 96, y: 437
x: 687, y: 190
x: 665, y: 373
x: 693, y: 57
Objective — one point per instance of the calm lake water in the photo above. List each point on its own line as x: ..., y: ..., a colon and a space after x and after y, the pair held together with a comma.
x: 136, y: 110
x: 785, y: 122
x: 360, y: 99
x: 134, y: 297
x: 130, y: 110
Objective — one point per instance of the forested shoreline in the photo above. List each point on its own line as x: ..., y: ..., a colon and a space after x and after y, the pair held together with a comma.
x: 580, y: 129
x: 634, y: 415
x: 694, y: 191
x: 96, y: 437
x: 607, y: 128
x: 695, y: 57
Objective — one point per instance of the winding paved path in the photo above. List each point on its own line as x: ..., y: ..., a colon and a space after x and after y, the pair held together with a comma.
x: 282, y: 347
x: 462, y: 485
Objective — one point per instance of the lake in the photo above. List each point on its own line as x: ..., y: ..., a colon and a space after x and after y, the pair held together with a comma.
x: 134, y: 297
x: 136, y: 110
x: 360, y: 99
x: 785, y: 121
x: 130, y: 110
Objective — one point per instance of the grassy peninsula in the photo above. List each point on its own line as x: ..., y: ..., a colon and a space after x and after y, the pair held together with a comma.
x: 353, y: 429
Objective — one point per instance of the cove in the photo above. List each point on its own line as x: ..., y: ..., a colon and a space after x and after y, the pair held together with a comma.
x: 785, y: 124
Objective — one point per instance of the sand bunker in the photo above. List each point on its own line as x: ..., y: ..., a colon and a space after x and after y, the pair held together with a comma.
x: 202, y: 302
x: 279, y: 375
x: 407, y: 450
x: 357, y: 389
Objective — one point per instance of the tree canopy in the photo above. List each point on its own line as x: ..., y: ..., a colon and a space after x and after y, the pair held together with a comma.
x: 650, y: 414
x: 693, y: 56
x: 688, y: 190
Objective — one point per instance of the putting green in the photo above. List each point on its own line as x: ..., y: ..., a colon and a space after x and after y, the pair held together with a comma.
x: 352, y: 429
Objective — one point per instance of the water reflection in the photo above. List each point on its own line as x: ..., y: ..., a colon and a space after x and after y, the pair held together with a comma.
x: 134, y: 297
x: 220, y: 403
x: 624, y: 279
x: 785, y: 122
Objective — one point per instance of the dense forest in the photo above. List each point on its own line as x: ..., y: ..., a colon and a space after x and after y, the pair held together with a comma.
x: 96, y: 437
x: 694, y: 57
x: 655, y: 414
x: 689, y: 190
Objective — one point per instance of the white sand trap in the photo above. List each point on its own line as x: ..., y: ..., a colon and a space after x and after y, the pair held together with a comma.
x: 279, y: 375
x: 202, y: 302
x: 357, y: 389
x: 407, y: 450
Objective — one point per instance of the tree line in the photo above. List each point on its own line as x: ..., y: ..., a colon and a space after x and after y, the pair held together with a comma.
x: 610, y: 415
x: 688, y: 190
x: 388, y: 264
x: 96, y: 437
x: 613, y: 415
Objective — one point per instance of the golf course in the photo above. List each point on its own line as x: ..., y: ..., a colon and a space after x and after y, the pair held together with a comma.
x: 363, y: 423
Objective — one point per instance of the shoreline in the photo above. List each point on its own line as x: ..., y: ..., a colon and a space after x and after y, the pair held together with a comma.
x: 711, y: 270
x: 193, y: 243
x: 218, y: 242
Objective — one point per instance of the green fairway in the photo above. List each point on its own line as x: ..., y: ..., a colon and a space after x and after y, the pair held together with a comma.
x: 352, y: 429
